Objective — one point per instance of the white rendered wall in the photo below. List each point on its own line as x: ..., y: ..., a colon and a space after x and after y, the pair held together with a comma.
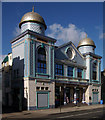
x: 90, y: 93
x: 18, y: 58
x: 88, y: 67
x: 18, y: 51
x: 10, y: 59
x: 85, y: 49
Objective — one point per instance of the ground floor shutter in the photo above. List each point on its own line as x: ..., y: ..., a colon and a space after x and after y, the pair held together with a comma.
x: 95, y: 98
x: 42, y: 99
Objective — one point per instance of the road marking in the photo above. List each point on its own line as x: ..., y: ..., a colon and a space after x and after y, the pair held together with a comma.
x: 94, y: 117
x: 78, y: 114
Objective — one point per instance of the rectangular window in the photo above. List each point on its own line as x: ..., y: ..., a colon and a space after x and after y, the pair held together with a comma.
x: 70, y: 71
x: 94, y: 76
x: 42, y: 88
x: 46, y: 88
x: 37, y: 88
x: 41, y: 67
x: 80, y: 72
x: 59, y: 69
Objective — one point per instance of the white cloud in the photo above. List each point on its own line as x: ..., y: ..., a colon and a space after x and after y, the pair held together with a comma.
x: 16, y: 31
x: 100, y: 31
x: 1, y: 59
x: 102, y: 36
x: 63, y: 35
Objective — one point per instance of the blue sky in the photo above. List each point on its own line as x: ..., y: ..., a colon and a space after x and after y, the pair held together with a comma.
x: 76, y: 19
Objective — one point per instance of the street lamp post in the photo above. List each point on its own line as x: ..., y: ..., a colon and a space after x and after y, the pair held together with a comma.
x: 60, y: 98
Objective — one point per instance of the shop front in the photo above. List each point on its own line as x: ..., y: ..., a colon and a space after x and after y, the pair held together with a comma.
x: 68, y: 94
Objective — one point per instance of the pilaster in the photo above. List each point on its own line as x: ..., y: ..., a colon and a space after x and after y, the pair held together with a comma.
x: 99, y: 71
x: 29, y: 58
x: 50, y: 61
x: 26, y: 55
x: 88, y: 65
x: 76, y: 72
x: 83, y: 100
x: 53, y: 66
x: 34, y: 59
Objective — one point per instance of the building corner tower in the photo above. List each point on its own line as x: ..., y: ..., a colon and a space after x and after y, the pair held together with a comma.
x: 33, y: 58
x: 93, y: 70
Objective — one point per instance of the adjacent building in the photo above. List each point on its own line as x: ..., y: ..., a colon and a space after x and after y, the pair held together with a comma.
x: 41, y: 70
x: 103, y: 86
x: 6, y: 80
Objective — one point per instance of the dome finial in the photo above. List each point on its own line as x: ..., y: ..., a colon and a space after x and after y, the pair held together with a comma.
x: 86, y: 35
x: 33, y: 9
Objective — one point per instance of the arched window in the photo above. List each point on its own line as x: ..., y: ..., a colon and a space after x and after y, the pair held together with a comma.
x: 94, y: 75
x: 41, y: 60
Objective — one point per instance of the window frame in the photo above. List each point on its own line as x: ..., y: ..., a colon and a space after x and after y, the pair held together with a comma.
x: 69, y: 71
x: 80, y: 73
x: 42, y: 61
x: 94, y: 72
x: 59, y: 69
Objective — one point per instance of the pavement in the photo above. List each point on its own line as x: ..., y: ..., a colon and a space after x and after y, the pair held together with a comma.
x: 45, y: 112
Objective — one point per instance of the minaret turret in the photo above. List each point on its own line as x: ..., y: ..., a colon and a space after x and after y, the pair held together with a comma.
x: 86, y: 45
x: 33, y: 21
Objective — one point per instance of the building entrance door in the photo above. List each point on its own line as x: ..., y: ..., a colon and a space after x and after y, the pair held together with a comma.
x: 78, y: 95
x: 59, y: 96
x: 68, y: 94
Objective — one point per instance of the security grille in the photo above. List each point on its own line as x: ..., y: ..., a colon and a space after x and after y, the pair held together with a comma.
x: 42, y: 100
x: 95, y: 98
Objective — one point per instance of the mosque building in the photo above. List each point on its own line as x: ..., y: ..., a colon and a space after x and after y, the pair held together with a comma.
x: 43, y: 72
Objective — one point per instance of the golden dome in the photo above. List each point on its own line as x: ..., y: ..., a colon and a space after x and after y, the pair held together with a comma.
x: 32, y: 17
x: 86, y: 42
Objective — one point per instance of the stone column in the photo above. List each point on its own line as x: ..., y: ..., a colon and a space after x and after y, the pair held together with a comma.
x: 64, y: 95
x: 99, y: 72
x: 71, y: 95
x: 75, y: 96
x: 83, y: 99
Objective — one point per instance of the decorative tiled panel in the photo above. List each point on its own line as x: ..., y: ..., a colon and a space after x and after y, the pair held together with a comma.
x: 25, y: 60
x: 36, y: 27
x: 52, y: 62
x: 85, y: 49
x: 31, y: 58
